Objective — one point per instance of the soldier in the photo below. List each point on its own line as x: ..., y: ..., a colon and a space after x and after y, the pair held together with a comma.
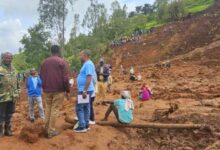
x: 9, y: 92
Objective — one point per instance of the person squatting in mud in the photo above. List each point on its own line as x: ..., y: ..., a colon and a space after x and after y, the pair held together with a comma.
x: 145, y: 93
x: 9, y: 93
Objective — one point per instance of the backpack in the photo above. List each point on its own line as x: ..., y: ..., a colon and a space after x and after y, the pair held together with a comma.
x: 106, y: 70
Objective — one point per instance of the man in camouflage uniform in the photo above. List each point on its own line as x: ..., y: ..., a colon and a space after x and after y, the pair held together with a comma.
x: 9, y: 92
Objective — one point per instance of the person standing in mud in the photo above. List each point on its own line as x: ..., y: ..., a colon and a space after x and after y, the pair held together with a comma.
x: 85, y: 88
x: 9, y: 93
x: 55, y: 77
x: 34, y: 86
x: 103, y: 72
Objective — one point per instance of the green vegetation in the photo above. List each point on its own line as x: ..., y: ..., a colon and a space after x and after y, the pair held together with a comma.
x: 101, y: 28
x: 167, y: 11
x: 153, y: 24
x: 195, y: 6
x: 20, y: 63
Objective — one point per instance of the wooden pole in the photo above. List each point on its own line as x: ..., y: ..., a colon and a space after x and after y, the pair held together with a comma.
x: 70, y: 120
x: 153, y: 125
x: 145, y: 125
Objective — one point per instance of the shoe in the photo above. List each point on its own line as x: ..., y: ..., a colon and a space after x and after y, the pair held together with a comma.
x: 8, y: 131
x: 76, y: 125
x: 92, y: 122
x: 76, y: 118
x: 53, y: 134
x: 87, y: 128
x: 80, y: 130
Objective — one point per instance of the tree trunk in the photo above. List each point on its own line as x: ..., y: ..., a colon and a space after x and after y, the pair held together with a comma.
x: 63, y: 30
x: 145, y: 125
x: 154, y: 125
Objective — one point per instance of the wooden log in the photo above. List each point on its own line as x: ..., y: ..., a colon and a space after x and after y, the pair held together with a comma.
x: 154, y: 125
x: 70, y: 120
x: 146, y: 125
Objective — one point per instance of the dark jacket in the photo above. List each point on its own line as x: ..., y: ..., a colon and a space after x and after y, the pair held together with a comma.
x: 55, y: 75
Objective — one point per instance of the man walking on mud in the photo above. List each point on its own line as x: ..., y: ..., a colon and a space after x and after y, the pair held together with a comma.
x: 9, y: 92
x: 85, y: 90
x: 55, y: 77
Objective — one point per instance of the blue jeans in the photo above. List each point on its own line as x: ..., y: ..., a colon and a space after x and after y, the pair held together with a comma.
x: 83, y: 112
x: 38, y: 100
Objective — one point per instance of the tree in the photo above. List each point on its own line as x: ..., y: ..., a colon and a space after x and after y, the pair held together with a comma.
x: 131, y: 14
x: 147, y: 9
x: 20, y: 50
x: 75, y: 28
x: 118, y: 19
x: 36, y: 44
x: 138, y: 9
x: 176, y: 10
x: 53, y: 15
x: 96, y: 14
x: 161, y: 7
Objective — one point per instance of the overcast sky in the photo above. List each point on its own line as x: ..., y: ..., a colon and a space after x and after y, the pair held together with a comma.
x: 16, y: 16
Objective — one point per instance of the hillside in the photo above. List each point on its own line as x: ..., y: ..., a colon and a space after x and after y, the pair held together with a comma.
x: 171, y: 40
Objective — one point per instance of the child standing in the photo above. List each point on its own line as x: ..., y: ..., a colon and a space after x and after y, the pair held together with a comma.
x: 34, y: 86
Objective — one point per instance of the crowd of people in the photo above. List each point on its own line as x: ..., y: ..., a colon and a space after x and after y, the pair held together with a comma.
x: 55, y: 81
x: 135, y: 38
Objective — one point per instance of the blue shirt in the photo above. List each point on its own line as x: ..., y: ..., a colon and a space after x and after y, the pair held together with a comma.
x: 34, y: 86
x: 35, y: 81
x: 124, y: 116
x: 87, y: 69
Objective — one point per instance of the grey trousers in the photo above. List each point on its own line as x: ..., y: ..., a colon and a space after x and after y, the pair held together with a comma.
x: 32, y: 100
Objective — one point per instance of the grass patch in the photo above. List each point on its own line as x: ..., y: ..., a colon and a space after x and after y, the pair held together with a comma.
x: 152, y: 24
x: 195, y: 6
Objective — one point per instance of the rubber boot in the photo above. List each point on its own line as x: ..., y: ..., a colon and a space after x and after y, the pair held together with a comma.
x: 8, y: 131
x: 2, y: 129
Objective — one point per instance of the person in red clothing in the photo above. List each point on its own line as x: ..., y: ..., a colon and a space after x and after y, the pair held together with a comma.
x: 55, y: 78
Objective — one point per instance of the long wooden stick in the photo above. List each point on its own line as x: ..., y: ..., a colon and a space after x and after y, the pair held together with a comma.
x: 154, y: 125
x: 146, y: 125
x: 70, y: 120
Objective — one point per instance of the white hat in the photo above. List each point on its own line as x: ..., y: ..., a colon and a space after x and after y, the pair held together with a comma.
x: 126, y: 94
